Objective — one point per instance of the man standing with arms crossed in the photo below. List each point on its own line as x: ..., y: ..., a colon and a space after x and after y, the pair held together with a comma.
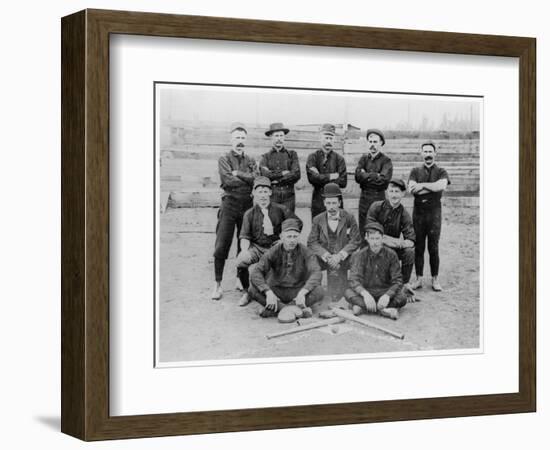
x: 374, y: 172
x: 237, y: 172
x: 427, y: 183
x: 281, y: 166
x: 325, y: 166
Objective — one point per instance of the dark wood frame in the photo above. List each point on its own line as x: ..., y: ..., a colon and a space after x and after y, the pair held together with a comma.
x: 85, y: 224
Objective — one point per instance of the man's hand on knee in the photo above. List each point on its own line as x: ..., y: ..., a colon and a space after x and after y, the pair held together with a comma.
x: 300, y: 299
x: 383, y: 302
x: 370, y: 303
x: 271, y: 300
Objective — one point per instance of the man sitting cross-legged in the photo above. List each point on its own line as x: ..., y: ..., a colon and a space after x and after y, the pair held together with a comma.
x: 375, y: 277
x: 287, y: 273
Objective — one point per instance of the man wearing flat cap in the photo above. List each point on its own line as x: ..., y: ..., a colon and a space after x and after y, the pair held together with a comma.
x: 260, y: 231
x: 237, y: 172
x: 281, y: 166
x: 398, y: 226
x: 427, y: 183
x: 334, y: 237
x: 325, y: 166
x: 373, y: 173
x: 375, y: 283
x: 287, y: 273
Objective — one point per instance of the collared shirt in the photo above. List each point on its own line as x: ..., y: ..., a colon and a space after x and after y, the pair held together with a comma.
x: 253, y: 230
x: 376, y: 271
x: 394, y: 220
x: 297, y: 268
x: 333, y: 221
x: 326, y: 164
x: 274, y: 162
x: 374, y: 174
x: 424, y: 174
x: 239, y: 185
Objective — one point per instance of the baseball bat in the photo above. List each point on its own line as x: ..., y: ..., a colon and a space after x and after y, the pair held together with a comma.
x: 310, y: 326
x: 349, y: 316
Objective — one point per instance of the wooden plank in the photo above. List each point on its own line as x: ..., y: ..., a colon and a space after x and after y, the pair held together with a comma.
x: 212, y: 200
x: 215, y: 152
x: 302, y: 145
x: 164, y: 198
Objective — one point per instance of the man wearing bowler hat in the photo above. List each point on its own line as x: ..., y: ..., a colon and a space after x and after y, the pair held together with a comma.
x: 281, y: 166
x: 398, y: 226
x: 333, y: 238
x: 427, y: 183
x: 287, y: 273
x: 325, y: 166
x: 373, y: 173
x: 260, y: 231
x: 375, y: 283
x: 237, y: 172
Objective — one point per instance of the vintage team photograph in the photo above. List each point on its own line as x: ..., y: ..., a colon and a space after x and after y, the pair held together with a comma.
x: 296, y: 224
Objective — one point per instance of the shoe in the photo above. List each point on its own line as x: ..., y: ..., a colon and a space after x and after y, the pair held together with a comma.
x: 238, y: 285
x: 217, y: 293
x: 245, y: 300
x: 341, y: 303
x: 267, y: 313
x: 307, y: 312
x: 416, y: 284
x: 435, y: 285
x: 391, y: 313
x: 356, y: 310
x: 327, y: 314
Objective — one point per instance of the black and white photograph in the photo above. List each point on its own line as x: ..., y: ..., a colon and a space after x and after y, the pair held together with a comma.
x: 301, y: 223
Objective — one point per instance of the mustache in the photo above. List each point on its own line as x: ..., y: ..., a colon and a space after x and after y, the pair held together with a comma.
x: 240, y: 145
x: 372, y: 147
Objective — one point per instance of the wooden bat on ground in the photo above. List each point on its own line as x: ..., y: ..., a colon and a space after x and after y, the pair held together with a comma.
x: 349, y: 316
x: 309, y: 326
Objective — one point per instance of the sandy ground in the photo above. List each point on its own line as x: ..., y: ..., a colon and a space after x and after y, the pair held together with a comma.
x: 192, y: 327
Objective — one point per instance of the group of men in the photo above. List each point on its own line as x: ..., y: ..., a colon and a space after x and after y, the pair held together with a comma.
x: 368, y: 262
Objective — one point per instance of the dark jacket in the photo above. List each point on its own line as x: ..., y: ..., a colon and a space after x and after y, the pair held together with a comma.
x: 347, y: 234
x: 333, y: 163
x: 298, y: 268
x: 423, y: 174
x: 394, y: 220
x: 252, y: 227
x: 376, y: 272
x: 374, y: 175
x: 239, y: 185
x: 274, y: 162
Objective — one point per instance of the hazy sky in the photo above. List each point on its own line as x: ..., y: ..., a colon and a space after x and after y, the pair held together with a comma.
x: 263, y: 106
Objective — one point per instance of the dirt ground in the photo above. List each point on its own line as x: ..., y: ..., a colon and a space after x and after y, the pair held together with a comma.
x: 192, y: 327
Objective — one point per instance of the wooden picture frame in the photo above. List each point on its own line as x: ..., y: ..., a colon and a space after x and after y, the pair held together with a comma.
x: 85, y: 224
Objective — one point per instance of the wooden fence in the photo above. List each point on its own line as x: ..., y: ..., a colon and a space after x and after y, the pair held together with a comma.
x: 189, y: 175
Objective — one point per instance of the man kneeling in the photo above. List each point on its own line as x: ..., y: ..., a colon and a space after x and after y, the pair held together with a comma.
x: 375, y: 277
x: 287, y: 273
